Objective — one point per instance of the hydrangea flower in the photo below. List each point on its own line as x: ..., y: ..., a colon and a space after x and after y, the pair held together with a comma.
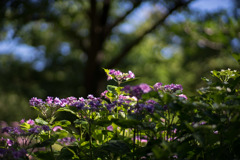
x: 110, y: 128
x: 31, y: 122
x: 49, y: 100
x: 56, y: 128
x: 9, y: 142
x: 22, y: 121
x: 119, y: 76
x: 145, y: 88
x: 138, y: 90
x: 173, y: 87
x: 104, y: 93
x: 157, y: 86
x: 183, y: 96
x: 35, y: 130
x: 45, y: 128
x: 67, y: 140
x: 35, y: 101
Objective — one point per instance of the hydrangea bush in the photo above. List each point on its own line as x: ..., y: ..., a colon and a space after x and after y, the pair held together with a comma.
x: 133, y: 122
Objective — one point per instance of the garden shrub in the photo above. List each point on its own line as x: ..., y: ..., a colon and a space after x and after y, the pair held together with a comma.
x: 133, y: 122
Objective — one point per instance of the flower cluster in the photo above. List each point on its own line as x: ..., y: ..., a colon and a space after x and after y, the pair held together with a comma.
x: 91, y: 103
x: 50, y: 101
x: 147, y: 106
x: 10, y: 152
x: 18, y: 131
x: 168, y: 87
x: 67, y: 140
x: 173, y: 87
x: 119, y: 76
x: 138, y: 90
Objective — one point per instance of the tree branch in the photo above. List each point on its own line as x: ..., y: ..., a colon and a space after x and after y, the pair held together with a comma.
x: 92, y: 15
x: 103, y: 21
x: 120, y: 19
x: 124, y: 52
x: 105, y: 12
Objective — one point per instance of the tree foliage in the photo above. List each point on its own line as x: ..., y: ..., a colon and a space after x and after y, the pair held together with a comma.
x: 74, y: 39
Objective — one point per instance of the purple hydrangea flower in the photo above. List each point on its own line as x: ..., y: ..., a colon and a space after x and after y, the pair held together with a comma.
x: 71, y: 100
x: 64, y: 102
x: 94, y: 104
x: 19, y: 154
x: 17, y: 130
x: 6, y: 129
x: 34, y: 130
x: 57, y: 101
x: 130, y: 75
x: 90, y: 96
x: 119, y: 76
x: 35, y: 101
x: 79, y: 105
x: 67, y: 140
x: 173, y: 87
x: 81, y: 99
x: 49, y: 100
x: 145, y: 88
x: 9, y: 142
x: 22, y: 121
x: 103, y: 94
x: 157, y: 86
x: 110, y: 107
x: 45, y: 128
x: 137, y: 91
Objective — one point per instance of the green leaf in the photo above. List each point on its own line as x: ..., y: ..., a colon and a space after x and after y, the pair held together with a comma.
x: 103, y: 122
x: 72, y: 110
x: 116, y: 146
x: 25, y: 126
x: 150, y: 95
x: 236, y: 56
x: 44, y: 155
x: 41, y: 121
x: 67, y: 153
x: 62, y: 123
x: 112, y: 89
x: 126, y: 123
x: 36, y: 108
x: 79, y: 122
x: 46, y: 143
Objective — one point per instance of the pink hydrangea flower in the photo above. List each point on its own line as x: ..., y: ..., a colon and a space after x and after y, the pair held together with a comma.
x: 31, y: 122
x: 110, y: 128
x: 56, y: 128
x: 183, y: 96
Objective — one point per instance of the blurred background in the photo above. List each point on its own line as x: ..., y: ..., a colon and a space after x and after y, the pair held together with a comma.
x: 59, y: 47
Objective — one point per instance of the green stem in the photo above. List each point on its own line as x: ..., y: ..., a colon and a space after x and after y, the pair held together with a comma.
x: 134, y: 139
x: 90, y: 140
